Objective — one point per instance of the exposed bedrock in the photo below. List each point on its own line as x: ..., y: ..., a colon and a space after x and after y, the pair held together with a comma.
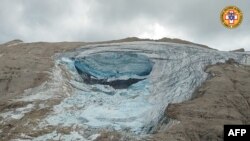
x: 117, y: 69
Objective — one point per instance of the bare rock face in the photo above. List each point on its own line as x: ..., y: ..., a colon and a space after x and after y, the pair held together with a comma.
x: 239, y: 50
x: 224, y: 99
x: 27, y: 62
x: 175, y: 40
x: 16, y: 41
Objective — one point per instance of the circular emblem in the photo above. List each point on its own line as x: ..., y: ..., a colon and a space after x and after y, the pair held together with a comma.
x: 231, y: 17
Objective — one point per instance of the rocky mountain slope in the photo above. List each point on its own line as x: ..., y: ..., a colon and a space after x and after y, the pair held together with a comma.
x: 55, y: 102
x: 223, y: 99
x: 30, y: 62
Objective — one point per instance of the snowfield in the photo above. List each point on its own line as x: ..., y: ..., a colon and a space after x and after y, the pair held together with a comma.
x: 173, y: 72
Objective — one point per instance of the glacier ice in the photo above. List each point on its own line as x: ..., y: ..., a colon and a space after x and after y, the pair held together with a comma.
x: 171, y: 73
x: 117, y: 69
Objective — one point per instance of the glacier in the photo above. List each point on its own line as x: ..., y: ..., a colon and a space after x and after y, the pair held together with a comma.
x: 177, y: 71
x: 167, y: 73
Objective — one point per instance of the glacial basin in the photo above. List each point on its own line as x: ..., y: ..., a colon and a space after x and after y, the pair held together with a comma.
x: 102, y: 96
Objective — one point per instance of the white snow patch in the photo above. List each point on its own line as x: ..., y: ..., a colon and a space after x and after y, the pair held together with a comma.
x: 21, y: 140
x: 73, y: 136
x: 42, y: 106
x: 93, y: 137
x: 17, y: 113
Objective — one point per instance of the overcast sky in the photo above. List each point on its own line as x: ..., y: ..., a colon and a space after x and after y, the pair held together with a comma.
x: 98, y: 20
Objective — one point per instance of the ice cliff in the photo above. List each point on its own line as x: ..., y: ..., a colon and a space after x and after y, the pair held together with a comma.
x: 117, y: 69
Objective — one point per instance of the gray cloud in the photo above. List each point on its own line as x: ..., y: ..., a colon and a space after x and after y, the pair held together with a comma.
x: 95, y: 20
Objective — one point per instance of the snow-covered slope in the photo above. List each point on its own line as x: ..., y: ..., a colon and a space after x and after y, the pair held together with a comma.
x: 177, y: 70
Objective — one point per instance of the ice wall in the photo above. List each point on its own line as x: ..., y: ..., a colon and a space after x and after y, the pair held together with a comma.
x: 117, y: 69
